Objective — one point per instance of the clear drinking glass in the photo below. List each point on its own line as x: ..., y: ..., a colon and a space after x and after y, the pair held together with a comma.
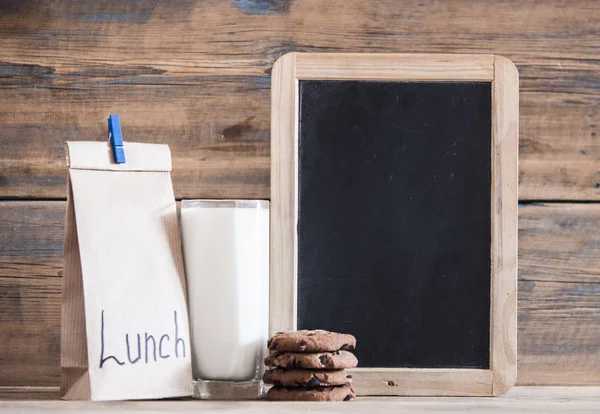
x: 226, y: 253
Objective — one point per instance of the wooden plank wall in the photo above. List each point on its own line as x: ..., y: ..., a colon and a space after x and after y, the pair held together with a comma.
x: 196, y: 75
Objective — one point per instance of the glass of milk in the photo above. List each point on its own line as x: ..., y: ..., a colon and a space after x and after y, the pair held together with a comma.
x: 226, y: 252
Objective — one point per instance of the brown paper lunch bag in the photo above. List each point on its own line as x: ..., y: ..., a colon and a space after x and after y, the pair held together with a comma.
x: 125, y: 332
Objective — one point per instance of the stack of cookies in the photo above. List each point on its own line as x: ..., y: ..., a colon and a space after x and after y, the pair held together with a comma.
x: 310, y: 366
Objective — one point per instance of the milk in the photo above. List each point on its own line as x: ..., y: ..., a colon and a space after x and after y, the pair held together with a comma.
x: 226, y: 252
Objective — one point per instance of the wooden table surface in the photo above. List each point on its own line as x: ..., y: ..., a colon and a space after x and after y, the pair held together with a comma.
x: 543, y: 400
x: 195, y: 74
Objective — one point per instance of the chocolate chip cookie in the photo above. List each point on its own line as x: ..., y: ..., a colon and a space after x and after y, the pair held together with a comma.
x: 341, y: 393
x: 315, y: 360
x: 311, y: 341
x: 307, y: 378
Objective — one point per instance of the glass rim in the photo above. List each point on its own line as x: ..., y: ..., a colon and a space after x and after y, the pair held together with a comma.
x: 219, y: 203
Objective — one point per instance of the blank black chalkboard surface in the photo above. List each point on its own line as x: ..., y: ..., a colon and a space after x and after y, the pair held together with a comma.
x: 394, y: 215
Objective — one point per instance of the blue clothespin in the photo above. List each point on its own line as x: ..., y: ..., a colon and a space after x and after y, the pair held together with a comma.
x: 116, y: 138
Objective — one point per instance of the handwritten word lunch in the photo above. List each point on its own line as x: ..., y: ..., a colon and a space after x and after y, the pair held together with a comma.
x: 164, y: 346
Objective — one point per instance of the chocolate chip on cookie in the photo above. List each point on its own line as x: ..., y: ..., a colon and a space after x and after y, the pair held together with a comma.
x: 307, y: 378
x: 314, y: 360
x: 340, y: 393
x: 311, y: 341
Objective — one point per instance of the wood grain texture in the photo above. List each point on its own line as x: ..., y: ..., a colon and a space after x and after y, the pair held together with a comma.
x: 559, y: 297
x: 505, y: 142
x: 518, y: 400
x: 386, y: 66
x: 29, y: 393
x: 559, y: 294
x: 423, y: 382
x: 283, y: 240
x: 31, y: 246
x: 220, y: 159
x: 195, y: 74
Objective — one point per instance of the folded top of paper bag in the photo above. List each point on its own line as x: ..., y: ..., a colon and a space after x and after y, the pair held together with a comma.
x: 89, y: 155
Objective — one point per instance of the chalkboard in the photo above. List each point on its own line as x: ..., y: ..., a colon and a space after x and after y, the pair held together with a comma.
x: 394, y: 201
x: 394, y: 217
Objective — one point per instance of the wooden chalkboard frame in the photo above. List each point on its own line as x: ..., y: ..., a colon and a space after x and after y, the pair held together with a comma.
x: 504, y: 79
